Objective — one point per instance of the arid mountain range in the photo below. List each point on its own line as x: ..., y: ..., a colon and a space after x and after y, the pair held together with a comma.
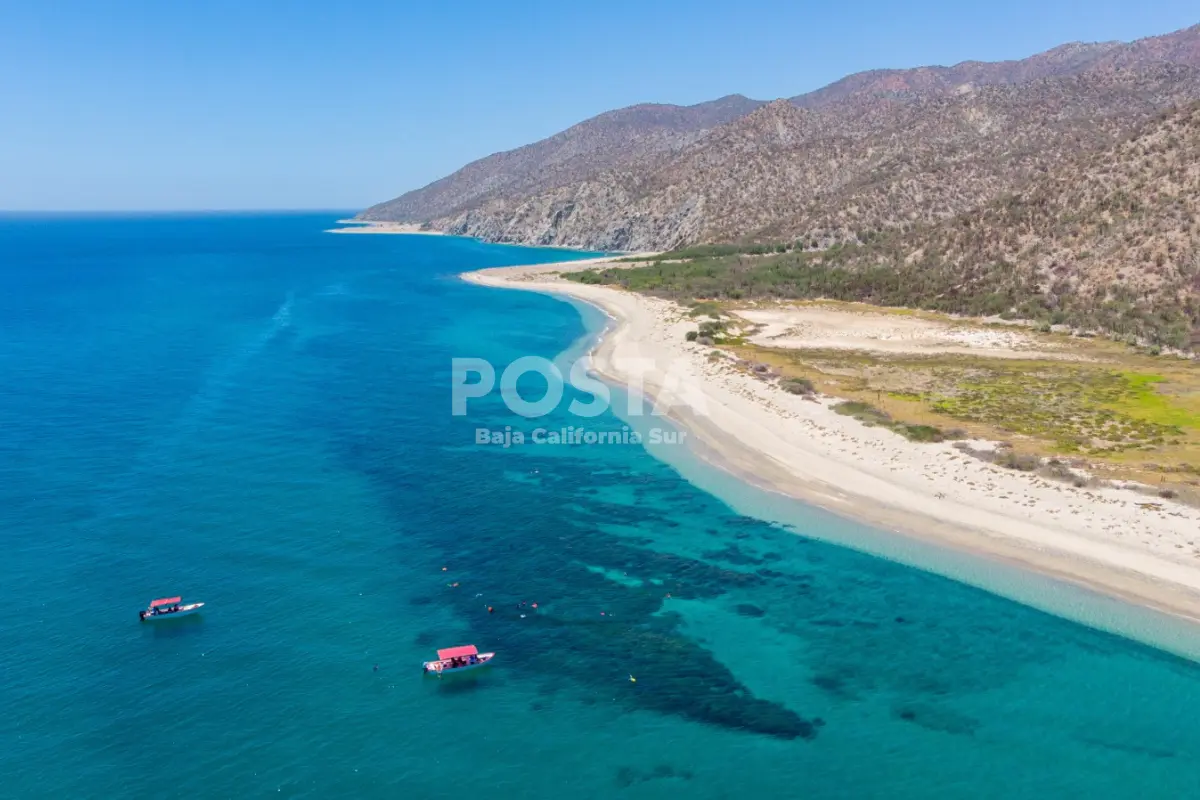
x: 877, y: 152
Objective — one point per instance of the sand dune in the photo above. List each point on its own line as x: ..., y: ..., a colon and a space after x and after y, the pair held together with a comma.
x: 812, y: 326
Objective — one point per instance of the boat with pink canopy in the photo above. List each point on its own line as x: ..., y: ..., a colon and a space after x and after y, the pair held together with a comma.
x: 457, y: 659
x: 168, y: 608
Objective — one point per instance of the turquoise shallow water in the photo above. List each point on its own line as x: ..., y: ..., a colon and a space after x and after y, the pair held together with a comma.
x: 257, y: 415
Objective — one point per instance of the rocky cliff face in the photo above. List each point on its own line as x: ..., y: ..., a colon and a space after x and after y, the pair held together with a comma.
x: 876, y: 151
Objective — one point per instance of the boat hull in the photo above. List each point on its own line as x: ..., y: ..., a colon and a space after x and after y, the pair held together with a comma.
x: 442, y: 668
x: 187, y: 610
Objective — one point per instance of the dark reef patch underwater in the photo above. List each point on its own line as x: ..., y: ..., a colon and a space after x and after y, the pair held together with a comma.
x: 256, y: 414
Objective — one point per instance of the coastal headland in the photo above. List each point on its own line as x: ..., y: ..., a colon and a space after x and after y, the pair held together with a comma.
x: 1107, y: 537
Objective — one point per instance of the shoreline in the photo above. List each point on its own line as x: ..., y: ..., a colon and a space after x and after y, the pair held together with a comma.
x: 1098, y: 539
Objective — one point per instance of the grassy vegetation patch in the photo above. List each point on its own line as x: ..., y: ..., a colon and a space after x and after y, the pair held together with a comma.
x: 871, y: 416
x: 1079, y: 409
x: 1143, y: 400
x: 1125, y: 415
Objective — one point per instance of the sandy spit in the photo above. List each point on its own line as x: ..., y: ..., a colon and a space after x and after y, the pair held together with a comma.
x: 1108, y: 540
x: 362, y: 226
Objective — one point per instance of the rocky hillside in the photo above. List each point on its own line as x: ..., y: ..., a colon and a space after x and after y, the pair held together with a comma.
x: 1109, y: 239
x: 626, y: 136
x: 935, y: 157
x: 1067, y: 59
x: 874, y: 152
x: 1180, y: 47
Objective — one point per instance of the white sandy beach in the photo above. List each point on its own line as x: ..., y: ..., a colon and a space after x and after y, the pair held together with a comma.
x: 1111, y: 540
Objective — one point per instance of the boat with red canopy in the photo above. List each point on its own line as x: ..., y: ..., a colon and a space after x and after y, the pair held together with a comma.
x: 168, y: 608
x: 457, y: 659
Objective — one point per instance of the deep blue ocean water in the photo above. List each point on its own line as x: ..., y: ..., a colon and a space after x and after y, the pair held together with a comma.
x: 256, y: 414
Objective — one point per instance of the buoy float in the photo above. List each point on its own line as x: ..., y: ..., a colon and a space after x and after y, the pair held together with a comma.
x: 535, y: 605
x: 490, y: 609
x: 632, y: 679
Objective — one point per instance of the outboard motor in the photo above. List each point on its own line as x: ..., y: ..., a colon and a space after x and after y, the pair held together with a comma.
x: 142, y: 615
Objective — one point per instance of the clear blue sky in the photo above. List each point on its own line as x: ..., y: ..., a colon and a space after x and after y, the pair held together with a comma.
x: 217, y: 104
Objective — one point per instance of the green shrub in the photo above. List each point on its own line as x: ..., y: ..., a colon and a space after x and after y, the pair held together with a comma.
x: 921, y: 433
x: 705, y: 308
x: 588, y: 276
x: 1018, y: 461
x: 852, y: 408
x: 798, y: 386
x: 863, y: 412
